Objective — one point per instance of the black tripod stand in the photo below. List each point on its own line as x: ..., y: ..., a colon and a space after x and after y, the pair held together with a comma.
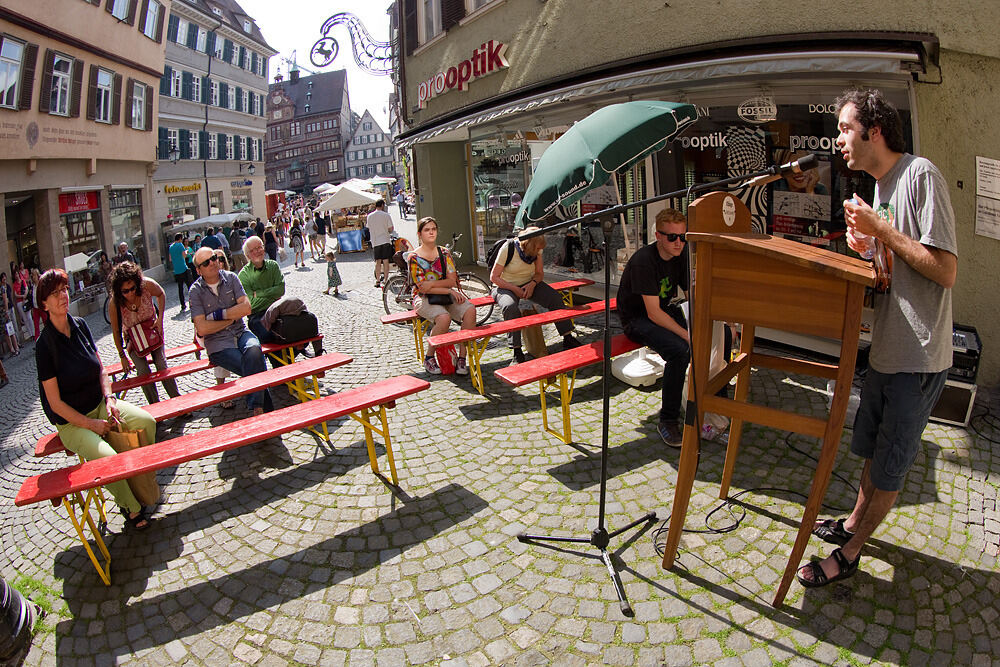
x: 600, y: 537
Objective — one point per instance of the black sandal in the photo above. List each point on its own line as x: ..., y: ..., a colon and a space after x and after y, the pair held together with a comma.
x: 819, y: 578
x: 832, y: 531
x: 141, y: 522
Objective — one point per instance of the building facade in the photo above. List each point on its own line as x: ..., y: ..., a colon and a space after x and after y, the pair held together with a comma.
x: 370, y: 152
x: 308, y: 126
x: 212, y: 116
x: 486, y: 85
x: 79, y: 88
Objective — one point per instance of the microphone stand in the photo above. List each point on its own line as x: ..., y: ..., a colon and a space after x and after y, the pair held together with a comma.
x: 600, y: 537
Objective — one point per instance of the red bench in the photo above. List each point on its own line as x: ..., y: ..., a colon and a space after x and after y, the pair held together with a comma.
x: 475, y: 340
x: 203, y: 398
x: 420, y: 325
x: 75, y: 486
x: 170, y: 353
x: 561, y: 367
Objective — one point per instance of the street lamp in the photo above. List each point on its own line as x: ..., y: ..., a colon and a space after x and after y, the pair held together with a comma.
x: 251, y: 169
x: 174, y: 154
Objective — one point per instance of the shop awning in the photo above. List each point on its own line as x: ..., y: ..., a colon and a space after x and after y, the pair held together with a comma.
x: 705, y: 72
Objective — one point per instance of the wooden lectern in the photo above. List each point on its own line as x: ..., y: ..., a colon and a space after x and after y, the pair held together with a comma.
x: 762, y: 281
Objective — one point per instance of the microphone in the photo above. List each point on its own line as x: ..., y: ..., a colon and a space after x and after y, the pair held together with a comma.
x: 798, y: 166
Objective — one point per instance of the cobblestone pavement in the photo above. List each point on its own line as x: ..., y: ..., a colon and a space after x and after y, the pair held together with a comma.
x: 294, y: 553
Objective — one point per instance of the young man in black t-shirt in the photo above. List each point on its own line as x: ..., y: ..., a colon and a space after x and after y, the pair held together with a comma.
x: 649, y: 298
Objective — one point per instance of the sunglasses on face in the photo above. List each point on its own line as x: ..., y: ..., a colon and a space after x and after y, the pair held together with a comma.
x: 208, y: 261
x: 672, y: 237
x: 128, y: 290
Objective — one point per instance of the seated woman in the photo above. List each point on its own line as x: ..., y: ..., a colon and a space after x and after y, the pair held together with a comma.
x: 76, y: 392
x: 435, y: 292
x: 132, y: 305
x: 517, y: 274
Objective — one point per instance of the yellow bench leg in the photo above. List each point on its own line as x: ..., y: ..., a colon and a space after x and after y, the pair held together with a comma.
x: 566, y: 386
x: 474, y: 353
x: 83, y: 500
x: 382, y: 429
x: 419, y: 329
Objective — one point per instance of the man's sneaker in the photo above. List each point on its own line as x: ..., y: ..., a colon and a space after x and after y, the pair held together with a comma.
x: 569, y: 342
x: 518, y: 356
x: 460, y: 367
x: 671, y: 433
x: 431, y: 365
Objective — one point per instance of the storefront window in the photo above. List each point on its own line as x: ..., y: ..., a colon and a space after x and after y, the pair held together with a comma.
x: 499, y: 167
x: 242, y: 199
x: 126, y: 222
x: 214, y: 203
x: 183, y: 208
x: 81, y: 232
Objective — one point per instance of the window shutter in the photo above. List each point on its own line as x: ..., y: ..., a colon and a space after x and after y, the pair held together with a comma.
x: 239, y: 98
x: 206, y: 90
x: 148, y: 118
x: 410, y: 25
x: 222, y: 147
x: 186, y: 80
x: 192, y: 36
x: 159, y: 23
x: 162, y: 144
x: 165, y: 80
x: 27, y: 75
x: 185, y: 139
x: 172, y: 26
x: 223, y: 94
x: 130, y: 17
x: 253, y: 62
x: 227, y: 50
x: 129, y: 94
x: 45, y: 91
x: 76, y: 90
x: 452, y: 11
x: 210, y: 44
x: 116, y: 101
x: 92, y: 94
x: 143, y: 10
x: 109, y: 6
x: 203, y: 145
x: 242, y: 55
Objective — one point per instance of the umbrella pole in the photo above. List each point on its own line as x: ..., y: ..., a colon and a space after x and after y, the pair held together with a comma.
x: 600, y: 537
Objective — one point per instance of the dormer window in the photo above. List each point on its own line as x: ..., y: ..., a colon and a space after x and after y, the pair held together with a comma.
x: 216, y: 11
x: 307, y: 108
x: 247, y: 25
x: 309, y: 94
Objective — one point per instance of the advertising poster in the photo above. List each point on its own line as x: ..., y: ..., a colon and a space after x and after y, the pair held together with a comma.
x: 801, y: 203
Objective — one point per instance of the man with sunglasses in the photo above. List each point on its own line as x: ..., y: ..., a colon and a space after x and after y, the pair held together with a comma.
x: 218, y: 306
x: 653, y: 285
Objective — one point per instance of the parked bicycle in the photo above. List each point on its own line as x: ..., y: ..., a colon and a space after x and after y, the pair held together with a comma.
x: 397, y: 294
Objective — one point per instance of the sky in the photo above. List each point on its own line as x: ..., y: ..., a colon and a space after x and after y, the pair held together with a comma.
x: 294, y: 25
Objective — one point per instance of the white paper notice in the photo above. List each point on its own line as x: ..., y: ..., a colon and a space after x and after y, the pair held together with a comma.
x: 987, y: 177
x: 988, y: 217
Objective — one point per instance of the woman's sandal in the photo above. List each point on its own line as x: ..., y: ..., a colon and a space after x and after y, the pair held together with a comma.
x: 819, y: 578
x: 228, y: 405
x: 832, y: 531
x: 141, y: 522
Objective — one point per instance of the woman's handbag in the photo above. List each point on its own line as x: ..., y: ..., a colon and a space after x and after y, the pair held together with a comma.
x: 145, y: 337
x: 144, y: 486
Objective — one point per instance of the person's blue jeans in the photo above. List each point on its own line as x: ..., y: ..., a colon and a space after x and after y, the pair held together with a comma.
x: 245, y: 359
x: 674, y: 350
x: 262, y: 334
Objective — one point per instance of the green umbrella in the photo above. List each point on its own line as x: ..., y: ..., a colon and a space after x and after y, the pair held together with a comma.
x: 609, y: 140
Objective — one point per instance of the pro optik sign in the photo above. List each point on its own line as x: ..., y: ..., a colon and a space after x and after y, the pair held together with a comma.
x: 487, y: 59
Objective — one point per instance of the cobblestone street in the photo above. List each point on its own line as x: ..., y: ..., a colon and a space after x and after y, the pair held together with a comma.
x: 293, y: 552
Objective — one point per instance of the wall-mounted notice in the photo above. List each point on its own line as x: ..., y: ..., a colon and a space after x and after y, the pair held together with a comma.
x: 988, y: 197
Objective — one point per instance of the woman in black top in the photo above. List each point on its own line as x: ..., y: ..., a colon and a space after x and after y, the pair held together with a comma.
x: 76, y: 392
x: 271, y: 242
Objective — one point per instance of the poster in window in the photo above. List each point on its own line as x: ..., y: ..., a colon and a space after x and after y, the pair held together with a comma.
x: 801, y: 202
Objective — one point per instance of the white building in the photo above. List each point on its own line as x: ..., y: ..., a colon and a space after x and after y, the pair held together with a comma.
x: 369, y: 152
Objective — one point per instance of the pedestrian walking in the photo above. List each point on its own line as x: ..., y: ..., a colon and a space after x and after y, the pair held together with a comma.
x: 333, y: 280
x: 298, y: 246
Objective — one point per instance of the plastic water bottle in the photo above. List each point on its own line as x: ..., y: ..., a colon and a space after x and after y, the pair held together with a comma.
x: 869, y: 247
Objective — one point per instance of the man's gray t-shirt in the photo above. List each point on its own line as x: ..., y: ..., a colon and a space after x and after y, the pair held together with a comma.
x: 913, y: 327
x: 203, y: 301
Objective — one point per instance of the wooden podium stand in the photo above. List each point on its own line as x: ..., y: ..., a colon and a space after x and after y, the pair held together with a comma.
x: 762, y: 281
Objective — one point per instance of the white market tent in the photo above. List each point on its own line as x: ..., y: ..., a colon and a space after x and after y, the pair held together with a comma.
x: 211, y: 221
x: 325, y: 188
x: 346, y: 197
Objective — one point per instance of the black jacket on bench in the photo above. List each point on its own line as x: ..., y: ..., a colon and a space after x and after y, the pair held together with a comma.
x: 74, y: 363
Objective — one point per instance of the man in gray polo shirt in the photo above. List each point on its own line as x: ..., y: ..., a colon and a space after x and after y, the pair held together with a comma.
x: 218, y: 306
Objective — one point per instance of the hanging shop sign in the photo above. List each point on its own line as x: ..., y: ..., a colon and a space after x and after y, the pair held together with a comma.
x: 77, y: 202
x: 758, y: 110
x: 489, y: 58
x: 171, y: 189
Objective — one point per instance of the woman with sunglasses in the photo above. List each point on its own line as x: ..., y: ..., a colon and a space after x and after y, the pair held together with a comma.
x: 133, y: 316
x: 76, y: 392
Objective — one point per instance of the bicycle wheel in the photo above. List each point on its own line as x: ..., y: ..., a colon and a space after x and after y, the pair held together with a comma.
x: 474, y: 287
x: 396, y: 296
x: 107, y: 304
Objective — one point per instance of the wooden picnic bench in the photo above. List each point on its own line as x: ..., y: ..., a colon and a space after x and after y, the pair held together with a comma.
x: 475, y: 340
x: 420, y: 326
x: 168, y: 353
x: 560, y: 368
x: 77, y: 486
x: 241, y: 386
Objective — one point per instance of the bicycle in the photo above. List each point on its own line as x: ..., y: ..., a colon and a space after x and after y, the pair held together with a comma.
x: 397, y: 294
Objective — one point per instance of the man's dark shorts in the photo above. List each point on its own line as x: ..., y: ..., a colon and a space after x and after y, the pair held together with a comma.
x: 383, y: 251
x: 891, y: 419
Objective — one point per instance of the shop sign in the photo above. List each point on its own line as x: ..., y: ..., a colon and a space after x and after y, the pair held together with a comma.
x: 76, y: 202
x: 240, y: 184
x: 489, y: 58
x: 172, y: 189
x: 758, y: 110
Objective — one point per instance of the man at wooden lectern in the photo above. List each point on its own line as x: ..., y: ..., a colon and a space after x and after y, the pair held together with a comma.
x: 911, y: 349
x: 649, y: 307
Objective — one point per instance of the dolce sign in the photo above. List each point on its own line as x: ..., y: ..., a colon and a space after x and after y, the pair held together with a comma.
x: 487, y: 59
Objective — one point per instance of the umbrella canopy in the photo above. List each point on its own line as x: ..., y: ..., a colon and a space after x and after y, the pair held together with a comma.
x: 77, y: 262
x: 346, y: 197
x: 381, y: 180
x: 324, y: 188
x: 211, y: 221
x: 357, y: 184
x: 609, y: 140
